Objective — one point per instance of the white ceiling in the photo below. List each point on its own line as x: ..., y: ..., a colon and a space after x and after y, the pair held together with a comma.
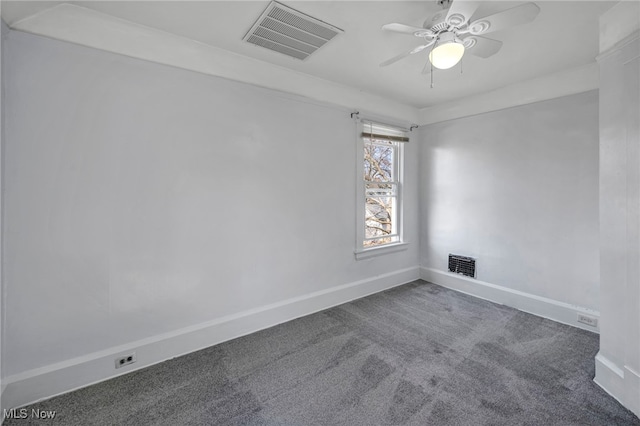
x: 563, y: 36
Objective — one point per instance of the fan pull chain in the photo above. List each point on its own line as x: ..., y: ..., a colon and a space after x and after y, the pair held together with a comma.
x: 431, y: 75
x: 429, y: 58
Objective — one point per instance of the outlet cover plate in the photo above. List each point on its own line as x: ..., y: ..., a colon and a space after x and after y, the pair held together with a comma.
x: 588, y: 320
x: 125, y: 360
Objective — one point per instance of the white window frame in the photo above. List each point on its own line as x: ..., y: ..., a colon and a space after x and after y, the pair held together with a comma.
x: 361, y: 251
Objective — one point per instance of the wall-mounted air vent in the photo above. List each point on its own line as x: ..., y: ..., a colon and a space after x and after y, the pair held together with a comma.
x: 462, y: 265
x: 290, y: 32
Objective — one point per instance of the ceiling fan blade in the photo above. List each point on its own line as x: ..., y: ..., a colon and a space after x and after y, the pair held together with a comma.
x: 481, y: 46
x: 461, y: 11
x: 511, y: 17
x: 405, y: 54
x: 402, y: 28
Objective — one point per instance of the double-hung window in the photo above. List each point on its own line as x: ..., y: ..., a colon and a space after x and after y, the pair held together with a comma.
x: 380, y: 188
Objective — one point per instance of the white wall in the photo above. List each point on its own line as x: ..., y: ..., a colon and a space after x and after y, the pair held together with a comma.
x: 140, y: 209
x: 618, y: 362
x: 4, y: 31
x: 142, y: 199
x: 518, y: 190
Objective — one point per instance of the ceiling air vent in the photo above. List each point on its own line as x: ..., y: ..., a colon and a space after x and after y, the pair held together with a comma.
x: 462, y: 265
x: 290, y: 32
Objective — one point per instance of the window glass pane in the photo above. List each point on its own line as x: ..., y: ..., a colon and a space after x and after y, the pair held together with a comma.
x: 378, y: 161
x: 379, y: 216
x: 380, y: 241
x: 382, y: 185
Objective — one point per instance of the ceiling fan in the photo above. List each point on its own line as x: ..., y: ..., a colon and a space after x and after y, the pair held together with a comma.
x: 450, y: 33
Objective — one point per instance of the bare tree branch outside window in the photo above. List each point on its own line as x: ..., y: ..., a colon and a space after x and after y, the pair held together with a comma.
x: 380, y: 191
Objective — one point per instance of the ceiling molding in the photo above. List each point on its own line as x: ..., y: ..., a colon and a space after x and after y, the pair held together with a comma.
x: 563, y: 83
x: 87, y: 27
x: 619, y: 22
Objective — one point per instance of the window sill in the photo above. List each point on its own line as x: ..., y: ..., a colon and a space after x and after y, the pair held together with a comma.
x: 379, y: 251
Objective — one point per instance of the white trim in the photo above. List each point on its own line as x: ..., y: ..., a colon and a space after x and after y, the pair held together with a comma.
x: 45, y: 382
x: 618, y: 46
x: 609, y: 376
x: 87, y: 27
x: 563, y: 83
x: 80, y: 25
x: 395, y: 235
x: 623, y: 384
x: 361, y: 195
x: 368, y: 117
x: 379, y: 251
x: 541, y: 306
x: 617, y: 22
x: 360, y: 185
x: 632, y: 385
x: 610, y: 365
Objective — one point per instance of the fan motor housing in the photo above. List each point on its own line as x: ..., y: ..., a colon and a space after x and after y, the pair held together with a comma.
x: 436, y: 22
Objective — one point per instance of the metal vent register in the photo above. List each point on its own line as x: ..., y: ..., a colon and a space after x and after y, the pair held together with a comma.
x: 290, y: 32
x: 462, y: 265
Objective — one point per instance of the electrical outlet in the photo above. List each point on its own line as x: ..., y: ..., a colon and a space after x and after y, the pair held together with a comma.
x: 125, y: 360
x: 587, y: 319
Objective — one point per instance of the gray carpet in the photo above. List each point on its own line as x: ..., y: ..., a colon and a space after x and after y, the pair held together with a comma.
x: 418, y: 354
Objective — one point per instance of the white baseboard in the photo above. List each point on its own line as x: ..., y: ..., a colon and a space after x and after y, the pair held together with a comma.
x: 623, y: 384
x: 41, y: 383
x: 632, y: 386
x: 609, y: 376
x: 541, y: 306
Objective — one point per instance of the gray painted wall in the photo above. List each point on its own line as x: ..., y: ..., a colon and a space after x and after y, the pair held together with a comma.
x: 141, y: 199
x: 518, y: 190
x: 618, y: 362
x: 4, y: 31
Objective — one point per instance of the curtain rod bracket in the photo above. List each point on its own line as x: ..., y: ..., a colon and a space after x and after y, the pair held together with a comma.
x: 356, y: 113
x: 413, y: 126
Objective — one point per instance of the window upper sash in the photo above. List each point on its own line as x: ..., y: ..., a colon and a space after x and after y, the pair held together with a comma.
x: 380, y: 132
x: 381, y: 137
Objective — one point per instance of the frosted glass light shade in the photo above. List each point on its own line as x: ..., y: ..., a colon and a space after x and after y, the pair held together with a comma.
x: 446, y: 54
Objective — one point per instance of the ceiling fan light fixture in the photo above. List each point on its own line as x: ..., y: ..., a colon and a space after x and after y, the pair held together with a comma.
x: 447, y: 52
